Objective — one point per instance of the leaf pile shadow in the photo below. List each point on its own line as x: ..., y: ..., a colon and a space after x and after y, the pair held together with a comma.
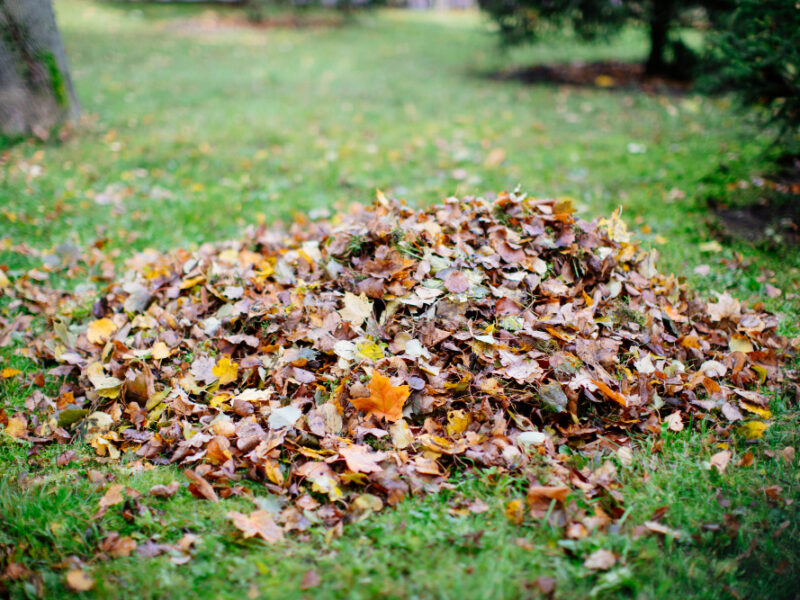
x: 351, y: 362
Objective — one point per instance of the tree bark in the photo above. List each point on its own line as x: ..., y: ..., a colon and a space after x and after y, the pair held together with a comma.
x: 36, y: 92
x: 661, y: 15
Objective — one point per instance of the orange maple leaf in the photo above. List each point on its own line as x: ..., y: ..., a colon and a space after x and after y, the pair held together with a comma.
x: 385, y: 400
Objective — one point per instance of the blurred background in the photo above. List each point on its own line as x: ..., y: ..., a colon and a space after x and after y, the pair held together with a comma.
x: 196, y: 119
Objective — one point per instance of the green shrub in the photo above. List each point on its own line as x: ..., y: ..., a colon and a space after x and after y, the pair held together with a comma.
x: 521, y: 20
x: 757, y: 55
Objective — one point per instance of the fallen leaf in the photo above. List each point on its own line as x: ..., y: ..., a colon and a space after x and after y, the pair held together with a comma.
x: 600, y: 560
x: 720, y: 460
x: 310, y: 580
x: 515, y: 511
x: 164, y: 491
x: 753, y: 430
x: 356, y: 308
x: 495, y: 158
x: 9, y: 372
x: 100, y: 331
x: 540, y: 497
x: 286, y: 416
x: 113, y: 496
x: 17, y: 426
x: 258, y: 523
x: 200, y: 487
x: 385, y: 400
x: 360, y: 460
x: 226, y: 371
x: 674, y: 422
x: 79, y: 581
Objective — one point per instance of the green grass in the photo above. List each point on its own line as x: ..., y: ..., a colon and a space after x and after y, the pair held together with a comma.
x: 190, y: 135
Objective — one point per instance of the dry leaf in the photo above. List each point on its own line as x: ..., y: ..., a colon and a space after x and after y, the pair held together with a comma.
x: 720, y: 460
x: 79, y: 581
x: 356, y: 308
x: 226, y: 371
x: 515, y: 511
x: 600, y: 560
x: 385, y: 400
x: 258, y: 523
x: 310, y: 580
x: 361, y: 460
x: 100, y: 331
x: 200, y: 487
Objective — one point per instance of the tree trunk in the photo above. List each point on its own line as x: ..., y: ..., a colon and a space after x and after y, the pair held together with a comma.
x: 36, y: 92
x: 661, y: 14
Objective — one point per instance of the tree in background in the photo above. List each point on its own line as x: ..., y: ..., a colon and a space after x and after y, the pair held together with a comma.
x: 36, y: 92
x: 758, y: 55
x: 521, y: 20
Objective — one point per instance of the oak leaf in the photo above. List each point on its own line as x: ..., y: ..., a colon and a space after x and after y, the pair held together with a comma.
x: 385, y: 400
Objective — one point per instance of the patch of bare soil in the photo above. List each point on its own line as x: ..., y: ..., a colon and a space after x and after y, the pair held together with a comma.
x: 762, y: 210
x: 602, y: 74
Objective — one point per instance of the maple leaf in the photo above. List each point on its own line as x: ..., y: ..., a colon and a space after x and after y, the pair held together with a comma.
x: 257, y: 523
x: 100, y: 331
x: 385, y: 400
x: 226, y: 371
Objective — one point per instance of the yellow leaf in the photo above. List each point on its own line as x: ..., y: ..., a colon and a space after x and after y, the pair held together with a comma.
x: 369, y: 350
x: 739, y: 343
x: 160, y: 351
x: 385, y: 400
x: 753, y: 430
x: 457, y: 422
x: 755, y: 409
x: 8, y: 373
x: 604, y: 81
x: 100, y: 331
x: 617, y: 230
x: 226, y: 371
x: 515, y: 511
x: 17, y: 426
x: 191, y: 282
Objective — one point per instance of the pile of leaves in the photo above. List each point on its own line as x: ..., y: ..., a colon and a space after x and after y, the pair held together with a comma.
x: 348, y: 363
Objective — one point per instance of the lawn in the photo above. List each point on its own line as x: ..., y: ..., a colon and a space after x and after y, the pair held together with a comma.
x: 194, y: 129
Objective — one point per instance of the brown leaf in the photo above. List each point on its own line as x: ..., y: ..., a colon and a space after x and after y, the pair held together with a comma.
x: 310, y: 580
x: 600, y: 560
x: 360, y: 460
x: 257, y: 523
x: 164, y: 491
x: 200, y: 487
x: 540, y: 497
